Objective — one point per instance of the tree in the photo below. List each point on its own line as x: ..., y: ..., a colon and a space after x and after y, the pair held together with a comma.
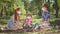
x: 20, y: 4
x: 38, y: 5
x: 5, y: 4
x: 26, y: 5
x: 56, y: 8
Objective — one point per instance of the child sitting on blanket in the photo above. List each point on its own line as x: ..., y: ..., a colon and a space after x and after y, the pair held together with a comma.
x: 28, y: 20
x: 37, y: 25
x: 45, y: 17
x: 14, y: 20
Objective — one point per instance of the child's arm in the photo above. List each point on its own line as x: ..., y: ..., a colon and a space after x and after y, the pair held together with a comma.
x: 13, y: 20
x: 47, y: 21
x: 47, y: 18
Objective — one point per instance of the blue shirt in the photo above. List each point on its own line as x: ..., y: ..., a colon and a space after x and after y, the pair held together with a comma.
x: 45, y: 15
x: 10, y: 23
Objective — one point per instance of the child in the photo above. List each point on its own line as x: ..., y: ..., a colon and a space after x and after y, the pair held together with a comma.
x: 45, y: 17
x: 28, y: 20
x: 37, y: 26
x: 14, y: 20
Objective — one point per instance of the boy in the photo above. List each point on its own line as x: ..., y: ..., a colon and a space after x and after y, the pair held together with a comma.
x: 45, y: 17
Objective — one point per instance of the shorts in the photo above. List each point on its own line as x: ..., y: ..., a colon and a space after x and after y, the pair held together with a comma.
x: 46, y: 24
x: 36, y: 24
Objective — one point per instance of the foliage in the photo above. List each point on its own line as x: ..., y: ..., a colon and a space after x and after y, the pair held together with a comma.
x: 33, y: 6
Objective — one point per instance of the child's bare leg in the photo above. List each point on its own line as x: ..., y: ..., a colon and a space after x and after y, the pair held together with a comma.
x: 15, y: 27
x: 20, y: 27
x: 42, y: 28
x: 30, y: 25
x: 36, y: 27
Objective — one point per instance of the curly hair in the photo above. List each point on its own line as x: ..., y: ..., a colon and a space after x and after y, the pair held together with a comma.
x: 45, y: 5
x: 28, y: 14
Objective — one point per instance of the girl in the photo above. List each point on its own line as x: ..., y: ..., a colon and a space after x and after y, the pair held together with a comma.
x: 14, y: 20
x: 28, y: 20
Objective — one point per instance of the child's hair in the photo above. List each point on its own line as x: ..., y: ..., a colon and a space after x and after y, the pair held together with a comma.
x: 45, y: 5
x: 16, y: 14
x: 28, y: 14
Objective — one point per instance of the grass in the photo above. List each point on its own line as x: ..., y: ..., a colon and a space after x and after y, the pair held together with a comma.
x: 5, y: 20
x: 45, y: 32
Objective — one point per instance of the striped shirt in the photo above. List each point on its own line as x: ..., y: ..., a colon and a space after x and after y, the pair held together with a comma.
x: 45, y: 15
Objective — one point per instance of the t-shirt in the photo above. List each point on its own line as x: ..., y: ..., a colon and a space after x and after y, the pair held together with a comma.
x: 45, y: 15
x: 10, y: 24
x: 28, y: 20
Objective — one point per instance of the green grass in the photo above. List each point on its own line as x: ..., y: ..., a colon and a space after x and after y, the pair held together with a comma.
x: 34, y: 21
x: 5, y: 20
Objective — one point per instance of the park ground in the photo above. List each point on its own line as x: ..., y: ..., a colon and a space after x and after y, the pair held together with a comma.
x: 54, y: 22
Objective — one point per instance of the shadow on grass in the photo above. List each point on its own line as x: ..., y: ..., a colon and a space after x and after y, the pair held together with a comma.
x: 55, y: 24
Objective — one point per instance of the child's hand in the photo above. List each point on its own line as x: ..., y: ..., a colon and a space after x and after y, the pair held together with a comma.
x: 45, y: 21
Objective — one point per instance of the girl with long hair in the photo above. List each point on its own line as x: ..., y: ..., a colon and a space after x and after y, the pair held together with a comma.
x: 14, y: 20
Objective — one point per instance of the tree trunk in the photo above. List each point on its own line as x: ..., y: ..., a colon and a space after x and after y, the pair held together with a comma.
x: 5, y: 11
x: 49, y: 5
x: 2, y: 11
x: 56, y: 8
